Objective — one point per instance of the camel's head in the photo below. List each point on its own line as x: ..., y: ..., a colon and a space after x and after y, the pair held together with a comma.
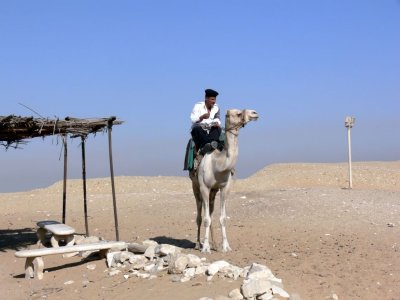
x: 239, y: 118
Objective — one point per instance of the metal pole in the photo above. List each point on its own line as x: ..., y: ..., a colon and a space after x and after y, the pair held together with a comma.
x: 65, y: 177
x: 110, y: 123
x: 84, y: 185
x: 349, y: 143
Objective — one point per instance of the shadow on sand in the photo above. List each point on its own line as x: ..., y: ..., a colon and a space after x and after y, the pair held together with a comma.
x: 182, y: 243
x: 14, y: 239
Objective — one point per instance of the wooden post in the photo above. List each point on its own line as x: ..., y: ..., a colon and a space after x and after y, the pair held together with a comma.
x: 110, y: 123
x: 65, y: 137
x: 84, y: 185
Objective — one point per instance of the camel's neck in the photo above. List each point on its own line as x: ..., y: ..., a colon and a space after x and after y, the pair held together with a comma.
x: 231, y: 147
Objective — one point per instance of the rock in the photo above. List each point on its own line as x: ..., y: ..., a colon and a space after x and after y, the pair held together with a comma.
x: 91, y: 266
x: 257, y: 271
x: 125, y: 255
x: 166, y: 249
x: 194, y: 261
x: 114, y: 272
x: 232, y: 271
x: 276, y: 290
x: 150, y: 252
x: 255, y: 287
x: 112, y: 258
x: 189, y: 272
x: 267, y: 296
x: 138, y: 261
x: 149, y: 267
x: 201, y: 270
x: 149, y: 243
x: 69, y: 282
x: 178, y: 263
x: 205, y: 298
x: 214, y: 267
x: 235, y: 294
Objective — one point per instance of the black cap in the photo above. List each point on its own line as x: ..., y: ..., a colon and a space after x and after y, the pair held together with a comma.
x: 211, y: 93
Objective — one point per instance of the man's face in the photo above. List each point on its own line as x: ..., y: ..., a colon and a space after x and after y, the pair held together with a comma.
x: 210, y: 101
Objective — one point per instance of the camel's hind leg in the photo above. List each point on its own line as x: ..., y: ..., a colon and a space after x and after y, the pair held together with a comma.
x: 213, y: 242
x: 223, y: 195
x: 205, y: 194
x: 197, y: 195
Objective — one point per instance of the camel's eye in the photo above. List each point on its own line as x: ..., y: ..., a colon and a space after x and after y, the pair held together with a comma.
x: 239, y: 114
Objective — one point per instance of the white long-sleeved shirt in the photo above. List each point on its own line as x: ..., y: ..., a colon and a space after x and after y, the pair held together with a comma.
x: 200, y: 109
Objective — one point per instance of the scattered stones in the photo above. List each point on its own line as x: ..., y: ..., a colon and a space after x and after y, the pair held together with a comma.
x: 259, y: 282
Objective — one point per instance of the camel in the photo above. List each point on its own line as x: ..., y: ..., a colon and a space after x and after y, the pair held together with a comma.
x: 215, y: 174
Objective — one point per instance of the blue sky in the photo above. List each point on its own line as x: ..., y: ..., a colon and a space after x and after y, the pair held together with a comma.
x: 303, y: 65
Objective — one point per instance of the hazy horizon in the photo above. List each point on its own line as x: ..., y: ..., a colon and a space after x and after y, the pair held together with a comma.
x: 303, y: 66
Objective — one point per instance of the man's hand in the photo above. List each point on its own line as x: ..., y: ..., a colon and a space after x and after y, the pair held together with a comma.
x: 205, y: 116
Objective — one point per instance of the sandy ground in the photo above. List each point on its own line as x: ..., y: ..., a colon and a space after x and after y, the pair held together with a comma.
x: 300, y: 220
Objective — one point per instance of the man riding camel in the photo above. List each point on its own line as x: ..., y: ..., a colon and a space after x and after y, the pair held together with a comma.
x: 206, y: 123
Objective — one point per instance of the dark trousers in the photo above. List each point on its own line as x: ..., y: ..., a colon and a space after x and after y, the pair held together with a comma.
x: 201, y: 137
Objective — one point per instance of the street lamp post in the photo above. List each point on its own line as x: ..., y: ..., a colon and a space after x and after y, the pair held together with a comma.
x: 348, y: 123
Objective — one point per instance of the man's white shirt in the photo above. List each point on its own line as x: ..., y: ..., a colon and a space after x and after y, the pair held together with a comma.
x: 200, y: 109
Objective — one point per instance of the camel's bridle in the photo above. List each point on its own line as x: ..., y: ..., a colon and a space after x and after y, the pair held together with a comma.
x: 235, y: 127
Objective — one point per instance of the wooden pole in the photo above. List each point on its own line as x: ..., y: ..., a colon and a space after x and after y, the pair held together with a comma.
x: 349, y: 145
x: 65, y: 177
x: 84, y: 185
x: 110, y: 123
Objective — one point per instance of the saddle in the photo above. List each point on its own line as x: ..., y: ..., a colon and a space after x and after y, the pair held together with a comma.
x: 193, y: 156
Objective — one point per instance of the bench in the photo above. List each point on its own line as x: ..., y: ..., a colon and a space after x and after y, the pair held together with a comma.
x: 34, y: 262
x: 59, y: 231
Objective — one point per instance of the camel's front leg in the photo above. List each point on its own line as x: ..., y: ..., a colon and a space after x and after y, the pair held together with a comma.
x: 205, y: 193
x: 224, y: 194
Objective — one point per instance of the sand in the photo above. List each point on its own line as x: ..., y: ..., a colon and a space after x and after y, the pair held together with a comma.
x: 322, y: 239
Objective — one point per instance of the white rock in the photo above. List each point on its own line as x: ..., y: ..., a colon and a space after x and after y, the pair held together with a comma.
x: 138, y: 261
x: 125, y: 255
x: 205, y: 298
x: 150, y: 252
x: 267, y: 296
x: 112, y: 257
x: 178, y: 264
x: 143, y: 275
x: 276, y: 290
x: 91, y: 266
x: 201, y: 270
x: 258, y: 271
x: 69, y: 282
x: 114, y: 272
x: 194, y: 261
x: 148, y: 243
x: 235, y: 294
x: 255, y: 287
x: 214, y: 267
x: 166, y: 249
x: 149, y: 267
x: 189, y: 272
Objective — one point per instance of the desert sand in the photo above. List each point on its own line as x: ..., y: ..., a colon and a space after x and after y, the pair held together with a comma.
x: 323, y: 240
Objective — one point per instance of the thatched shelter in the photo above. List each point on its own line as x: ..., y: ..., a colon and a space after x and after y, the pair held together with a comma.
x: 16, y: 130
